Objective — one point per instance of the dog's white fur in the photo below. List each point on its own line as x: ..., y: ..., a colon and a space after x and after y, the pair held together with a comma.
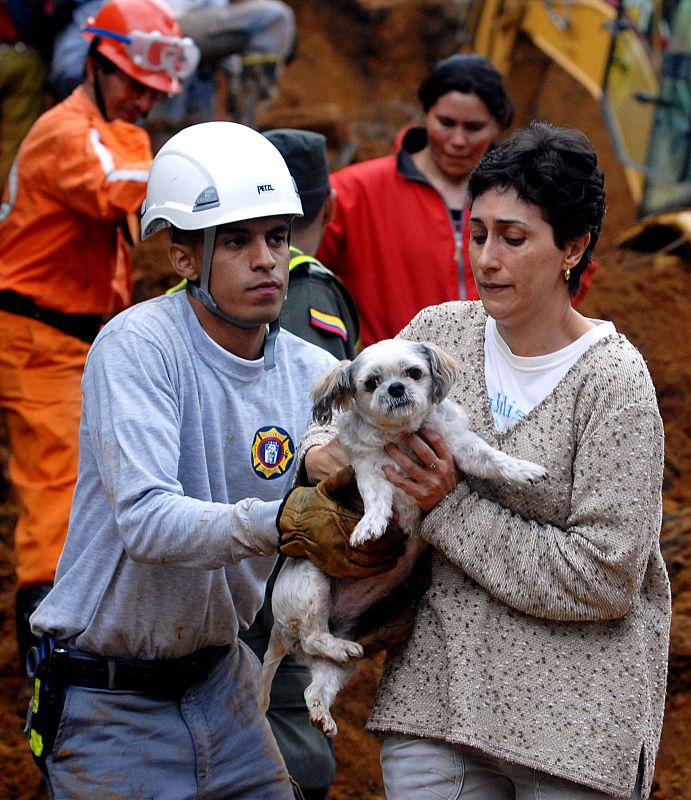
x: 391, y: 389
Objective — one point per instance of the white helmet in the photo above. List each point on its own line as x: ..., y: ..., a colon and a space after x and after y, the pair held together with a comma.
x: 212, y: 174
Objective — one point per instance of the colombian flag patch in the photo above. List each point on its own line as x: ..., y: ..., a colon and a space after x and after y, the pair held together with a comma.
x: 328, y: 322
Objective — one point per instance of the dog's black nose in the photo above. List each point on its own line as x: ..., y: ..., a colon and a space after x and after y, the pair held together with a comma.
x: 397, y: 389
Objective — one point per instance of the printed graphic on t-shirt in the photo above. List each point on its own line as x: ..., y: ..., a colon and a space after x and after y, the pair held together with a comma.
x: 505, y: 412
x: 272, y: 452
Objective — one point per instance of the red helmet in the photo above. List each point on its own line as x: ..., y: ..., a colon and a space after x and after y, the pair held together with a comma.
x: 143, y: 39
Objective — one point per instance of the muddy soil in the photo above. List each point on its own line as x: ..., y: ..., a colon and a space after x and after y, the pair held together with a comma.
x: 354, y: 78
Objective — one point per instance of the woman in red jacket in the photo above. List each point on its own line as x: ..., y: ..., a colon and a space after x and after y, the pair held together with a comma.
x: 399, y: 237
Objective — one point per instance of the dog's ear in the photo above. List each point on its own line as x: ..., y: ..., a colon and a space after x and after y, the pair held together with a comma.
x: 443, y: 369
x: 333, y: 391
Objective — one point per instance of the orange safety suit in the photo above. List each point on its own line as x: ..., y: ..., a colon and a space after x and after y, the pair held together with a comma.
x: 66, y: 218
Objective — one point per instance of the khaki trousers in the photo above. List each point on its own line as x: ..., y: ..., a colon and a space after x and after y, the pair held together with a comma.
x: 429, y: 769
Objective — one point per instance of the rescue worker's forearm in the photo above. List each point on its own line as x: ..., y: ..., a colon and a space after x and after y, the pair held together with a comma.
x: 181, y: 531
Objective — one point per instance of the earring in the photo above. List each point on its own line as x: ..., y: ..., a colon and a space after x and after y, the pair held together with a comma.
x: 567, y: 274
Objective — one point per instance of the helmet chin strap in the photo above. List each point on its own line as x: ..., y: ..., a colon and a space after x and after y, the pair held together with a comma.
x: 98, y: 92
x: 203, y: 294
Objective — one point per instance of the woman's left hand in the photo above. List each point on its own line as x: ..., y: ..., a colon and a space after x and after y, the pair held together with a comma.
x: 428, y: 475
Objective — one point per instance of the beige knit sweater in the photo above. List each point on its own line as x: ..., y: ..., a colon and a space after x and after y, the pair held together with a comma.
x: 543, y: 638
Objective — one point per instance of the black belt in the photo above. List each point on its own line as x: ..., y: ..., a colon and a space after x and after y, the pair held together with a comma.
x: 161, y: 678
x: 81, y: 326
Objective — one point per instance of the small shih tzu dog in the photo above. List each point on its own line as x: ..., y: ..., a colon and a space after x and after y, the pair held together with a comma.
x: 391, y: 389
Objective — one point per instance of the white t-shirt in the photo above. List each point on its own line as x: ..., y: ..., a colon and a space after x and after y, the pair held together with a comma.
x: 516, y: 384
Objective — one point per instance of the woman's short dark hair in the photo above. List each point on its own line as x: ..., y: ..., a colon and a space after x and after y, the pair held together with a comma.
x: 556, y: 170
x: 468, y: 74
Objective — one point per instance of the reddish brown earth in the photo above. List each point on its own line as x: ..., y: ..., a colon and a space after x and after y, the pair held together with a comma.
x: 354, y: 78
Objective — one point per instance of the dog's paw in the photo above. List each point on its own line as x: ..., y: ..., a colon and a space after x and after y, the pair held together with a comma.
x: 527, y: 472
x: 366, y: 531
x: 344, y: 650
x: 341, y: 650
x: 325, y: 645
x: 320, y: 718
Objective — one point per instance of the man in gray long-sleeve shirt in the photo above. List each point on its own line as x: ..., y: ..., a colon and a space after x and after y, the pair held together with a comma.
x: 194, y: 405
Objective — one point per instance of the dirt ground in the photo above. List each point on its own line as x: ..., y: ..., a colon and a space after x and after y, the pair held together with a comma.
x: 354, y: 78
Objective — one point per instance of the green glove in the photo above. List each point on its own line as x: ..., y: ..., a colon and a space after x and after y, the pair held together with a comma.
x: 315, y: 522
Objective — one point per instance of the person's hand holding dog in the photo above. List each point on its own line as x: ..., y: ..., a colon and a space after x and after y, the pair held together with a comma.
x: 427, y: 472
x: 316, y: 522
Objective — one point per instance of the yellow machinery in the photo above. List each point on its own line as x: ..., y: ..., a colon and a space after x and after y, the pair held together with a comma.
x: 634, y: 57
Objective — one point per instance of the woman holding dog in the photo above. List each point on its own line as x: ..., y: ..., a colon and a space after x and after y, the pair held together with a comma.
x: 537, y: 664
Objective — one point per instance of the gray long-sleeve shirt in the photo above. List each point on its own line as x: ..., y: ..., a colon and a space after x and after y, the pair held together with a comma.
x: 185, y: 454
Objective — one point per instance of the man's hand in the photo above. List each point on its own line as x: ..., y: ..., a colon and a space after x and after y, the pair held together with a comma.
x: 316, y: 522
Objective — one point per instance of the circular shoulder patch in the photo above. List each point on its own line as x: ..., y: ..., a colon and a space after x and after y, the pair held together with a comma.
x: 272, y: 452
